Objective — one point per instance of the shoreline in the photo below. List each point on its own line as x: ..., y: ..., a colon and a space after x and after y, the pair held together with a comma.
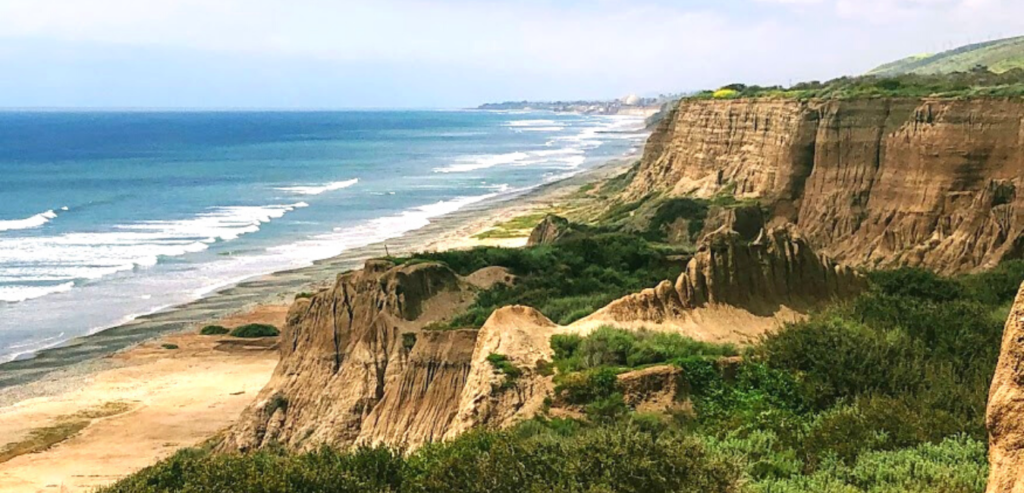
x: 92, y: 352
x: 105, y: 405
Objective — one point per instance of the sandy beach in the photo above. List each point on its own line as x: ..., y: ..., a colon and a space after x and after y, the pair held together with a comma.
x: 121, y: 399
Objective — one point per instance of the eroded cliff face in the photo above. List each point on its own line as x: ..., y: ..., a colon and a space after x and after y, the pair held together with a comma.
x: 357, y: 368
x: 735, y: 290
x: 1005, y: 415
x: 879, y: 183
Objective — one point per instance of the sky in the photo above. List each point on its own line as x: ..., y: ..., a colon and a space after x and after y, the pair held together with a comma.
x: 335, y: 54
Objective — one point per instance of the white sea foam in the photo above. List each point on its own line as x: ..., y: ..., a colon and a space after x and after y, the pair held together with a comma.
x: 319, y: 189
x: 382, y: 228
x: 15, y: 294
x: 533, y: 123
x: 476, y: 162
x: 29, y: 222
x: 32, y: 260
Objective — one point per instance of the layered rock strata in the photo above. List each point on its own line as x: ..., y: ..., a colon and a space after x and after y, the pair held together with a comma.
x: 734, y: 290
x: 356, y: 366
x: 872, y: 182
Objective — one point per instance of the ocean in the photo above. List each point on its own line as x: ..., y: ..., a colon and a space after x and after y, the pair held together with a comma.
x: 108, y: 216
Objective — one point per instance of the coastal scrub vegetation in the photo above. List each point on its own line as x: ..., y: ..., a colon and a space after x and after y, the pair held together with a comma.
x: 255, y: 330
x: 213, y: 330
x: 536, y: 456
x: 979, y: 82
x: 884, y: 393
x: 567, y: 280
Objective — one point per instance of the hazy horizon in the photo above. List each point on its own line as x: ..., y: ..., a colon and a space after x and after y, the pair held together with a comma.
x: 431, y: 54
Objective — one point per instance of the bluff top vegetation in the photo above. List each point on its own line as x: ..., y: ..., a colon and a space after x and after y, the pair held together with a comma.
x: 978, y: 82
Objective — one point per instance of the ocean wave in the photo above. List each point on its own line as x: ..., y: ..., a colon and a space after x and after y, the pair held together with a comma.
x: 31, y: 347
x: 29, y: 222
x: 383, y: 228
x: 540, y: 129
x: 533, y: 123
x: 74, y: 256
x: 319, y: 189
x: 19, y: 293
x: 477, y: 162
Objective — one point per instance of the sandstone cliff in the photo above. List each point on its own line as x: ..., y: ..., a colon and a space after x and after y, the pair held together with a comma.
x: 1005, y: 417
x: 357, y: 368
x: 551, y: 229
x: 734, y: 290
x: 878, y: 182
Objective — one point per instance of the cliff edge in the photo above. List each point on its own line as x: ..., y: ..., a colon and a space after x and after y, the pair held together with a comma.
x: 870, y: 182
x: 735, y: 290
x: 1005, y: 414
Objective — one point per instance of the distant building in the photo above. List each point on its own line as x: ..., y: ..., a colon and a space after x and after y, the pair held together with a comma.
x: 631, y: 100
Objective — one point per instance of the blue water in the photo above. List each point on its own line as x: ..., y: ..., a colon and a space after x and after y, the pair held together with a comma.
x: 107, y: 216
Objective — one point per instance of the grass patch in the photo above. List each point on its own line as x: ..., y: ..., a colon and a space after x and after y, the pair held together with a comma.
x: 64, y: 427
x: 608, y: 346
x: 303, y: 296
x: 169, y: 346
x: 41, y: 439
x: 213, y: 330
x: 517, y: 227
x: 255, y: 330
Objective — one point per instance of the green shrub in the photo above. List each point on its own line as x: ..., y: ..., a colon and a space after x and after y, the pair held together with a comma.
x: 837, y: 358
x: 545, y: 368
x: 213, y: 330
x: 614, y: 458
x: 408, y: 341
x: 608, y: 346
x: 501, y: 363
x: 169, y: 346
x: 607, y: 409
x: 997, y: 286
x: 303, y: 296
x: 269, y: 471
x: 538, y: 455
x: 255, y: 330
x: 585, y: 387
x: 956, y: 465
x: 694, y: 211
x: 916, y: 283
x: 511, y: 372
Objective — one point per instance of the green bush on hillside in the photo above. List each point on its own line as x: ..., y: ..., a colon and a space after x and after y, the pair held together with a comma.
x: 536, y: 456
x: 608, y: 346
x: 255, y: 330
x: 213, y: 330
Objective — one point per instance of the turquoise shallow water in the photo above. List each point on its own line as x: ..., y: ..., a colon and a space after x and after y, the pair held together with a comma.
x: 107, y: 216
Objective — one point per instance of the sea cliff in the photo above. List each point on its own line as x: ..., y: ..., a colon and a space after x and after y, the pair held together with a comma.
x: 871, y: 182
